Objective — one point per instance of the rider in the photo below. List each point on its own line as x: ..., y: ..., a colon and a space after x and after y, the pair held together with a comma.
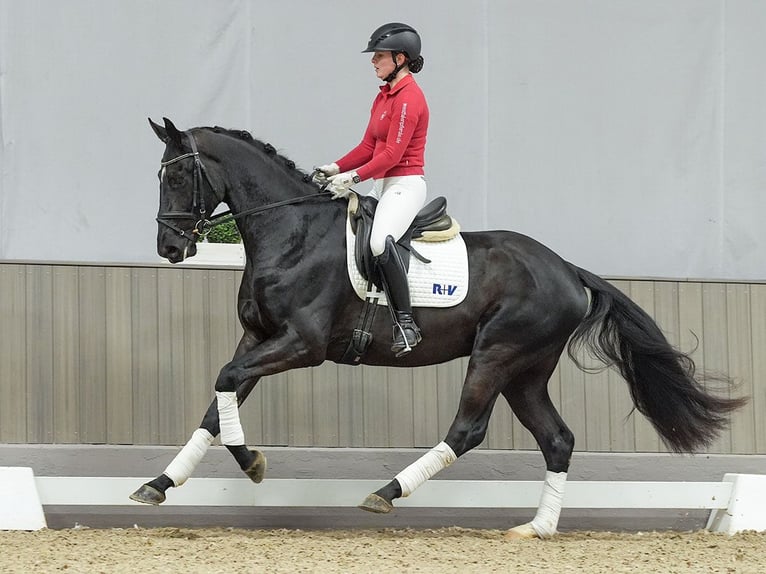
x: 392, y: 154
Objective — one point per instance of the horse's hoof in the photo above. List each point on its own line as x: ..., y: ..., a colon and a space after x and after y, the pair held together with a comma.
x: 148, y: 495
x: 257, y: 469
x: 521, y: 532
x: 376, y: 504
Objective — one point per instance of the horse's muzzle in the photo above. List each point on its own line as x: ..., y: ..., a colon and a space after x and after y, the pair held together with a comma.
x: 175, y: 253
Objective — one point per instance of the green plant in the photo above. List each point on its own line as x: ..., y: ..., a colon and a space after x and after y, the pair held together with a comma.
x: 226, y: 232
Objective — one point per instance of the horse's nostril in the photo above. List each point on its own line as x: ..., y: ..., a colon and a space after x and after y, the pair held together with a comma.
x: 169, y: 252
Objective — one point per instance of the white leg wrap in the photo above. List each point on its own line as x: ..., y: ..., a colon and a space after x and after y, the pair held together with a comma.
x: 439, y: 457
x: 182, y: 466
x: 547, y: 518
x: 228, y: 417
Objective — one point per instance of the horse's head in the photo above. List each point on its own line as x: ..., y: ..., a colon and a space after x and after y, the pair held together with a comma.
x: 188, y: 195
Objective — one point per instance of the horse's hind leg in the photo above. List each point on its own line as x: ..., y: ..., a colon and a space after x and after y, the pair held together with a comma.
x: 528, y: 398
x: 479, y: 394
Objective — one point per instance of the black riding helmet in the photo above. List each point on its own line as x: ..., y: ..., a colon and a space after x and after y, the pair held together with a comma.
x: 396, y: 38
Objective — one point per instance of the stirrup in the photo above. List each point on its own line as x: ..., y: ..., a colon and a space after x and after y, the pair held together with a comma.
x: 402, y: 344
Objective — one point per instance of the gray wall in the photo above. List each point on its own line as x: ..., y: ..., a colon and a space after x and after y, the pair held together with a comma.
x: 627, y: 135
x: 128, y: 355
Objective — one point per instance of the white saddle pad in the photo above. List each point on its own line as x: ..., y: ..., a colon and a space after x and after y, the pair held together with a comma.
x: 441, y: 283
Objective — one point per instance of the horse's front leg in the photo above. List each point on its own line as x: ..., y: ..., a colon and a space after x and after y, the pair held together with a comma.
x: 275, y: 355
x: 187, y: 459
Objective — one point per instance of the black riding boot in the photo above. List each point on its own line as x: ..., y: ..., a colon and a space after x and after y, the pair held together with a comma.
x: 394, y: 279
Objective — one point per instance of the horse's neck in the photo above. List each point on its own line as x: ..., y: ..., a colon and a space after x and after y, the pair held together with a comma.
x: 243, y: 193
x: 298, y: 227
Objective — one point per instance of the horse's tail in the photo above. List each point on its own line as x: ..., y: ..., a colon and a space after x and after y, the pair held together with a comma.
x: 661, y: 378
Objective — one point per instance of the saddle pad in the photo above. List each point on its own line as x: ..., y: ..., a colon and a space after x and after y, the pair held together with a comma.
x: 441, y: 283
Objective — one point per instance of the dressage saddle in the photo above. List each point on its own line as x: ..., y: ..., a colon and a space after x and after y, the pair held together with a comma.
x: 432, y: 223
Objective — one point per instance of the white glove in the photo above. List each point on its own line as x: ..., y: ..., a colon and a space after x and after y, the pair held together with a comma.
x: 325, y: 171
x: 340, y: 185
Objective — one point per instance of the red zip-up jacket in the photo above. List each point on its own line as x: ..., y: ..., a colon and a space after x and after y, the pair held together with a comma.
x: 394, y: 142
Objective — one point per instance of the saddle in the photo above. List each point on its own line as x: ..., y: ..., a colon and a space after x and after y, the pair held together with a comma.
x: 432, y: 223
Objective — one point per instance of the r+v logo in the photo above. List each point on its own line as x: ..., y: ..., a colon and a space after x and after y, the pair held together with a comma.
x: 444, y: 289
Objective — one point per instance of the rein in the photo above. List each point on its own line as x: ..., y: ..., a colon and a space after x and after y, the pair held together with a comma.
x: 228, y: 215
x: 204, y: 225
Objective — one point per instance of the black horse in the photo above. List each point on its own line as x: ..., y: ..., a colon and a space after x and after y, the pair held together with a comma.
x: 298, y: 309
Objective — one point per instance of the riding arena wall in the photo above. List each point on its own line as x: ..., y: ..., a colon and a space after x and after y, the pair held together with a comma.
x: 98, y: 354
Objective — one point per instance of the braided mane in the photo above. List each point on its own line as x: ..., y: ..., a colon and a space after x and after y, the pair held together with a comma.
x: 265, y: 148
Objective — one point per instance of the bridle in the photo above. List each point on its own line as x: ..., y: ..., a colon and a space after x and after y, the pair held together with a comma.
x: 198, y: 211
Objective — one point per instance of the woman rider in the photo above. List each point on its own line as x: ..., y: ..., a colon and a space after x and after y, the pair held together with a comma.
x: 392, y: 154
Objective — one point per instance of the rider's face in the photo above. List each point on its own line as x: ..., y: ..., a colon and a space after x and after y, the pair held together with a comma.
x: 383, y: 64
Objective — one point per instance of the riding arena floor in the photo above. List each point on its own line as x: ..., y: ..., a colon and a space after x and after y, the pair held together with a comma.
x: 445, y: 550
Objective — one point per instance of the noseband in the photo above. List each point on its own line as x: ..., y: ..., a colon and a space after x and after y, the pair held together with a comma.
x: 198, y: 211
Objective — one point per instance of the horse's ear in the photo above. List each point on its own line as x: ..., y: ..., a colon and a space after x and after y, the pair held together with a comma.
x: 172, y: 131
x: 160, y: 131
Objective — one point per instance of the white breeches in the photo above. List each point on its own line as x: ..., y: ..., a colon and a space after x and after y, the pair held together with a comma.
x: 399, y: 200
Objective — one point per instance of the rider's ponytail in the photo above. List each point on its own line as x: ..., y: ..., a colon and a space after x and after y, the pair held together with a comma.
x: 416, y: 65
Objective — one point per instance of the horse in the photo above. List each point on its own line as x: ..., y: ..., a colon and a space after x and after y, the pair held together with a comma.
x: 525, y: 305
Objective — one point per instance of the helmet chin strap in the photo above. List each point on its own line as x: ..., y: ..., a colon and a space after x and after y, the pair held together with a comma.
x: 397, y: 67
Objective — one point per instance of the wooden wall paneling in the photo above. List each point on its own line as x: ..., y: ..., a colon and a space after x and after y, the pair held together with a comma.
x: 400, y: 409
x: 129, y: 356
x: 119, y: 355
x: 13, y: 353
x: 375, y: 411
x: 198, y: 375
x: 270, y: 402
x: 300, y: 403
x: 92, y: 335
x: 174, y: 428
x: 758, y: 397
x: 715, y: 347
x: 146, y: 413
x: 325, y: 405
x: 350, y: 406
x: 66, y: 356
x: 39, y: 354
x: 425, y: 415
x: 740, y: 350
